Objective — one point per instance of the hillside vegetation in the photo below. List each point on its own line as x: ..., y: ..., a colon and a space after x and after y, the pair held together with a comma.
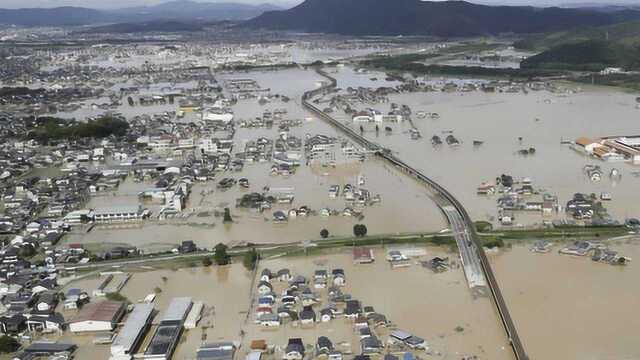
x: 589, y: 55
x: 585, y: 48
x: 413, y: 63
x: 627, y: 34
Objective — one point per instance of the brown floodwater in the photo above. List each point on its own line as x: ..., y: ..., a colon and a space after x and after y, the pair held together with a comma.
x: 541, y: 118
x: 225, y: 292
x: 414, y: 299
x: 567, y: 307
x: 564, y: 307
x: 405, y: 207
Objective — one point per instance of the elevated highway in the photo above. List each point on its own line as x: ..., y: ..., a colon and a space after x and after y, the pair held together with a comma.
x: 476, y: 266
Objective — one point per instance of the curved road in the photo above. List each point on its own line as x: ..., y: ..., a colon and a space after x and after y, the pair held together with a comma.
x: 476, y: 266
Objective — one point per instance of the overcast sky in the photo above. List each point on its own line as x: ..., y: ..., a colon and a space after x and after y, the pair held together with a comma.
x: 102, y: 4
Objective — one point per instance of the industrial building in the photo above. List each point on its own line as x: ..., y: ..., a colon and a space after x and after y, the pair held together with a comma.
x: 100, y: 316
x: 611, y: 149
x: 164, y: 341
x: 216, y: 351
x: 194, y: 315
x: 132, y: 332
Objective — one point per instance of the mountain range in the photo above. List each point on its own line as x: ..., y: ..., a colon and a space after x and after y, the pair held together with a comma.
x: 417, y: 17
x: 175, y: 10
x: 187, y: 10
x: 348, y: 17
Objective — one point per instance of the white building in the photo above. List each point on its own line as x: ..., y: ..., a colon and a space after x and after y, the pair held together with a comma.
x: 76, y: 217
x: 118, y: 213
x: 161, y: 143
x: 217, y: 115
x: 208, y: 145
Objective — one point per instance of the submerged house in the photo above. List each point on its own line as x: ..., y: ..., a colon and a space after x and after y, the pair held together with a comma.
x: 294, y: 349
x: 324, y: 346
x: 363, y: 255
x: 284, y: 275
x: 370, y: 345
x: 264, y: 287
x: 307, y: 315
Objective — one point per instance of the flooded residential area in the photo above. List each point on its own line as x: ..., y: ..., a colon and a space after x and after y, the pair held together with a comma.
x: 181, y: 184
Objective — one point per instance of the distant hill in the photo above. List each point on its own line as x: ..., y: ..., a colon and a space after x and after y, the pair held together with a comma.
x: 605, y: 7
x: 589, y: 55
x: 585, y: 48
x: 59, y: 16
x: 144, y: 27
x: 624, y: 33
x: 416, y: 17
x: 186, y: 9
x: 174, y: 10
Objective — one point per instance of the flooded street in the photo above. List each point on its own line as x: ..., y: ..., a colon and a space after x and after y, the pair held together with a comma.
x: 570, y: 307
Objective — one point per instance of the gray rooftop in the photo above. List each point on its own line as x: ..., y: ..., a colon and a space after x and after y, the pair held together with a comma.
x: 177, y: 310
x: 130, y: 332
x: 118, y: 209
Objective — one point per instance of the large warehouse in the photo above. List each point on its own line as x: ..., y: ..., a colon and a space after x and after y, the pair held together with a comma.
x: 99, y: 316
x: 132, y: 332
x: 167, y: 335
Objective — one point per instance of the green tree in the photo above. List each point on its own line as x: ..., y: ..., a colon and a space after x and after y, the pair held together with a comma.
x: 221, y: 257
x: 359, y: 230
x: 483, y: 226
x: 27, y: 251
x: 250, y: 259
x: 324, y: 233
x: 494, y: 243
x: 116, y: 297
x: 207, y: 262
x: 8, y: 344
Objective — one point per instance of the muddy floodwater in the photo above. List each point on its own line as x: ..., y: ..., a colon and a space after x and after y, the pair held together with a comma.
x: 435, y: 306
x: 405, y: 208
x: 224, y: 291
x: 414, y: 299
x: 569, y: 307
x: 541, y: 118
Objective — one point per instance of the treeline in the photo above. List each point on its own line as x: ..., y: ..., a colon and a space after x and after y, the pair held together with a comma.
x: 6, y: 91
x: 397, y: 61
x: 45, y: 129
x: 409, y: 63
